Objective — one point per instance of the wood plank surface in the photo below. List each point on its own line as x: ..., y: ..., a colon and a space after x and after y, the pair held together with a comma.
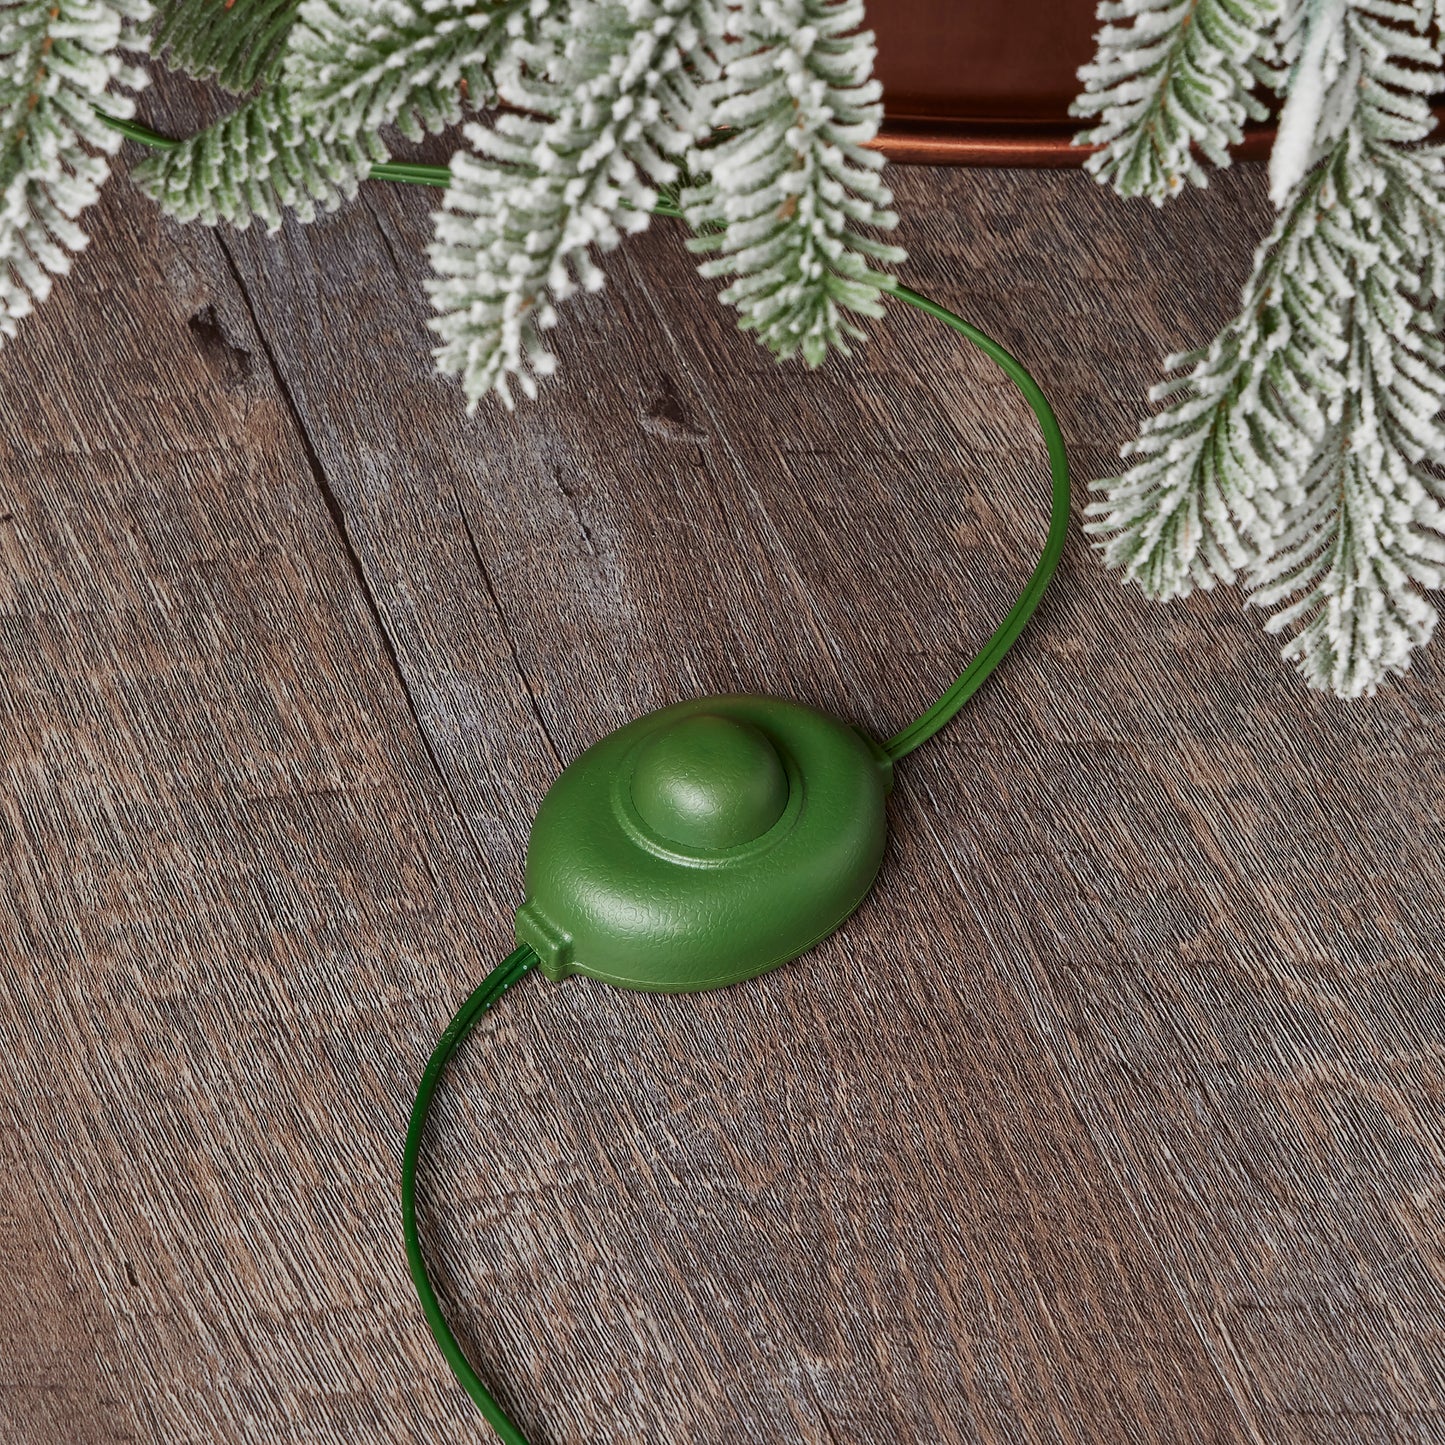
x: 1115, y: 1114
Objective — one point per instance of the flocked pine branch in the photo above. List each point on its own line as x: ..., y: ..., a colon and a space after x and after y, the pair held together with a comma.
x: 267, y: 155
x: 305, y: 141
x: 1347, y: 563
x: 259, y: 160
x: 358, y: 65
x: 789, y: 194
x: 1172, y: 82
x: 1242, y: 420
x: 1301, y: 446
x: 604, y: 99
x: 238, y: 43
x: 57, y: 58
x: 606, y: 96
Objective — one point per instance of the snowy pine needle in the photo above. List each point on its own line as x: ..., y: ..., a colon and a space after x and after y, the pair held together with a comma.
x: 1239, y: 426
x: 1314, y: 46
x: 790, y: 190
x: 358, y: 65
x: 238, y: 43
x: 1175, y: 79
x: 57, y: 57
x: 606, y: 96
x: 1299, y: 451
x: 258, y: 161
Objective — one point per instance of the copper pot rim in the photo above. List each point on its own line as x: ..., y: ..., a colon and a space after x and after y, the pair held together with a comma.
x: 1046, y: 143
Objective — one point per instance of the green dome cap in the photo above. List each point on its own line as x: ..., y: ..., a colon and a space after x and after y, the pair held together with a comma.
x: 709, y: 781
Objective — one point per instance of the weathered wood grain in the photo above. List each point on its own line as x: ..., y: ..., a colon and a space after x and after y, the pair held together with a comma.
x: 1114, y: 1115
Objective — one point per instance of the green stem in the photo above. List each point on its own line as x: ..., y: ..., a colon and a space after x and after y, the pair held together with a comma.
x: 134, y: 130
x: 411, y: 174
x: 406, y: 172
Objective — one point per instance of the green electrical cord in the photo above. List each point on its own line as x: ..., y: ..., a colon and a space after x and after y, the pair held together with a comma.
x: 1006, y: 634
x: 511, y: 970
x: 519, y: 963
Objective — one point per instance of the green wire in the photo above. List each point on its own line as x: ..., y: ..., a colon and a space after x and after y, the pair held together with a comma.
x: 518, y: 964
x: 1004, y: 636
x: 134, y: 130
x: 511, y: 970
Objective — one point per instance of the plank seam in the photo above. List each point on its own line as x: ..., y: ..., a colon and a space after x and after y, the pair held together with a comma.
x: 337, y: 516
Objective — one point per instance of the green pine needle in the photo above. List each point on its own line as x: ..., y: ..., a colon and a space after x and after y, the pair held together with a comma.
x: 259, y: 161
x: 238, y: 43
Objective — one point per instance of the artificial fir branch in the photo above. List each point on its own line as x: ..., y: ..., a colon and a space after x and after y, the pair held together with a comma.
x: 1236, y: 432
x: 304, y: 142
x: 358, y: 65
x: 1176, y: 80
x: 1347, y: 562
x: 1297, y: 451
x: 56, y: 58
x: 1300, y: 448
x: 788, y: 192
x: 238, y: 43
x: 261, y: 159
x: 605, y: 97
